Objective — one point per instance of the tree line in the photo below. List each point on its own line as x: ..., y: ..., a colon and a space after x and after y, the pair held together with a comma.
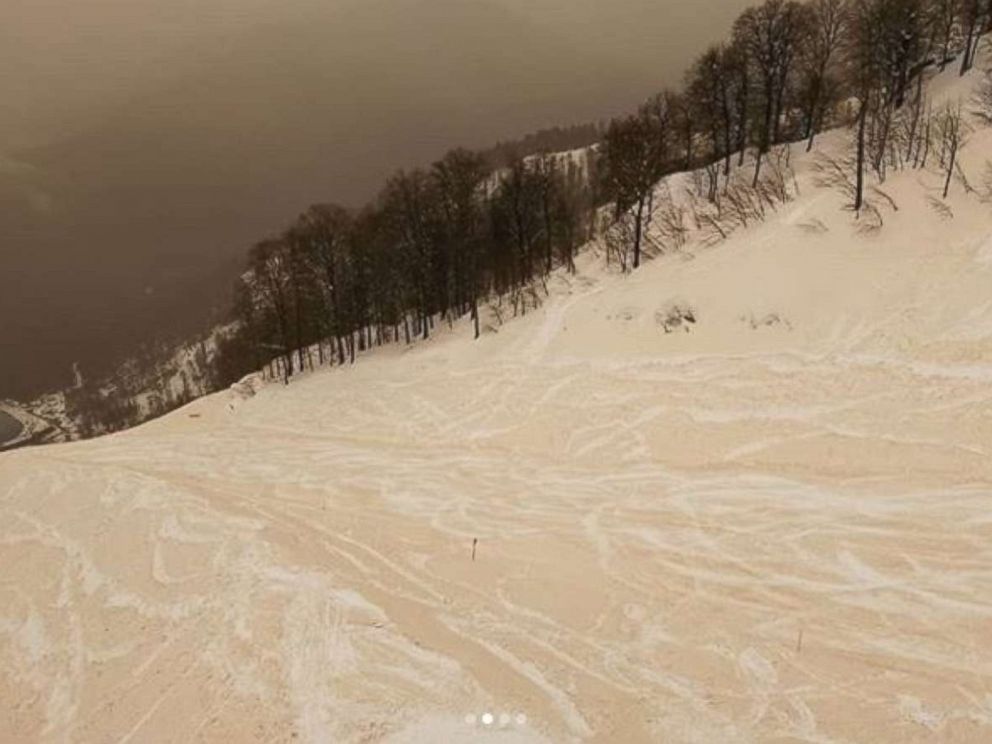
x: 440, y: 243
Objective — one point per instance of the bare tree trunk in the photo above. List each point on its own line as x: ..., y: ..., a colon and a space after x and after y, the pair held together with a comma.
x: 860, y: 175
x: 758, y: 155
x: 637, y: 232
x: 926, y: 140
x: 814, y: 114
x: 966, y: 56
x: 953, y: 142
x: 917, y: 109
x: 777, y: 117
x: 548, y: 233
x: 883, y: 142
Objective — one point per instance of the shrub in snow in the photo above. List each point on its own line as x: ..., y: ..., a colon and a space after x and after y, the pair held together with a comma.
x: 675, y: 316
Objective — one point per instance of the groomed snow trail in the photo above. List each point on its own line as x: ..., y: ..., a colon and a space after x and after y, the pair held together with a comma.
x: 776, y: 526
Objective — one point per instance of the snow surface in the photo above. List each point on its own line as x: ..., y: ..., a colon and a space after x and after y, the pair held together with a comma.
x: 755, y: 530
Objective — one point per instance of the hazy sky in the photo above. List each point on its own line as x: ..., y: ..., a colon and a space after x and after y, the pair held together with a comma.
x: 145, y: 143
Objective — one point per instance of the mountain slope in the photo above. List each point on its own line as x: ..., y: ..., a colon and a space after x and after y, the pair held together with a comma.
x: 774, y: 525
x: 133, y: 219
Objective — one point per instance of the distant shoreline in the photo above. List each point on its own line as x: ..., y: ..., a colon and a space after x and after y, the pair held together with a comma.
x: 38, y: 423
x: 12, y: 429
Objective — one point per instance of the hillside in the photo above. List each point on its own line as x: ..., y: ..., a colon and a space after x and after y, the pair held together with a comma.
x: 223, y: 132
x: 769, y: 522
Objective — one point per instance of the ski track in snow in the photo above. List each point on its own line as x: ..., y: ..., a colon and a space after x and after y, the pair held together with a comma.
x: 304, y: 571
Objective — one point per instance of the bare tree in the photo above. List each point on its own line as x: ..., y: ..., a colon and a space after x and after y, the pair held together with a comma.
x: 952, y: 133
x: 459, y: 177
x: 718, y: 84
x: 770, y: 34
x: 684, y: 127
x: 270, y: 284
x: 868, y: 73
x: 819, y: 54
x: 635, y: 158
x: 943, y: 23
x: 972, y: 15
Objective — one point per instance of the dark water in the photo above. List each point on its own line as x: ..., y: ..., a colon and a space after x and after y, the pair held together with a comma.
x: 9, y: 428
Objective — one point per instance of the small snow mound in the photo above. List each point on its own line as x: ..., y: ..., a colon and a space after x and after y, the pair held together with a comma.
x: 676, y: 315
x: 248, y: 386
x: 768, y: 320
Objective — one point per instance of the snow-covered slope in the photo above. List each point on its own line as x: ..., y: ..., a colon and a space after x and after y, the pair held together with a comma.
x: 775, y: 525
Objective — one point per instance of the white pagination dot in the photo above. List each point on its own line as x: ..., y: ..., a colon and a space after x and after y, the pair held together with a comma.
x: 521, y: 719
x: 487, y: 719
